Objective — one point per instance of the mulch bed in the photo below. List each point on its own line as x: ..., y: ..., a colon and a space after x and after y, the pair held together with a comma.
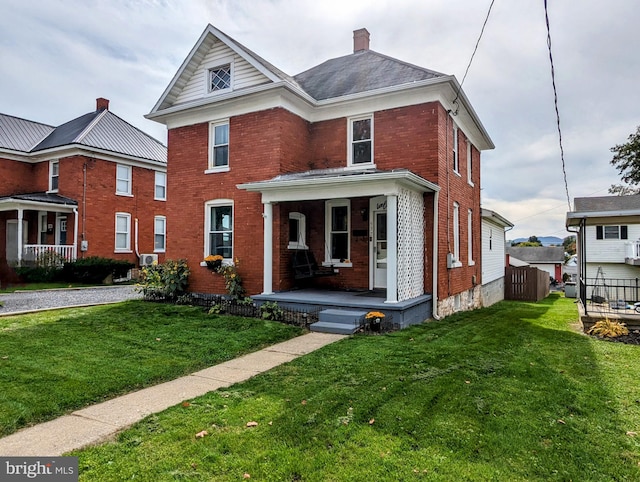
x: 633, y: 338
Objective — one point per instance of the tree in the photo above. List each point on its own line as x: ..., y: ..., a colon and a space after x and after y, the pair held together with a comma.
x: 569, y: 244
x: 626, y: 159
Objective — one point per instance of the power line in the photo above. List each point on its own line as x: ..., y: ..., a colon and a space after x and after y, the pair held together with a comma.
x: 555, y: 101
x: 474, y: 52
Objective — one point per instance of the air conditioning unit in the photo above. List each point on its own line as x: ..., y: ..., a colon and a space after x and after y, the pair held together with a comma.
x: 148, y: 259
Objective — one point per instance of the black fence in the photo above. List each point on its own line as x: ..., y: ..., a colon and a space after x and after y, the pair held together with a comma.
x: 610, y: 295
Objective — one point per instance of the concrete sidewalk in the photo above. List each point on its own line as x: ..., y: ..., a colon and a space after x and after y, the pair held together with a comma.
x: 98, y: 422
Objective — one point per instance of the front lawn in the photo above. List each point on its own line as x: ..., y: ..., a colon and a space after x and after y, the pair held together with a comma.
x: 507, y: 393
x: 56, y: 361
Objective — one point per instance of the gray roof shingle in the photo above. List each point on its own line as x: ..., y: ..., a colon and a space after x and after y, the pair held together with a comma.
x: 606, y: 203
x: 361, y: 71
x: 537, y: 254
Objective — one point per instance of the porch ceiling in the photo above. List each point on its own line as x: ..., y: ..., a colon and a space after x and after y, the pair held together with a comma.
x: 338, y: 183
x: 38, y: 201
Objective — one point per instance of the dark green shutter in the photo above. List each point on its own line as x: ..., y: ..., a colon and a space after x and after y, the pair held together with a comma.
x: 623, y: 232
x: 599, y: 232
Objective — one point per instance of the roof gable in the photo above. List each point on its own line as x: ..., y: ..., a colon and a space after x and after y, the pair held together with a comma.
x: 214, y: 48
x: 361, y: 71
x: 21, y: 135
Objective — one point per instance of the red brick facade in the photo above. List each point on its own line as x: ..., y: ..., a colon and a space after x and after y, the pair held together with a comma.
x: 267, y: 143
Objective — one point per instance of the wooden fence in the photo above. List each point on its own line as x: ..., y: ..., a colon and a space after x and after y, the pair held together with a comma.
x: 525, y: 283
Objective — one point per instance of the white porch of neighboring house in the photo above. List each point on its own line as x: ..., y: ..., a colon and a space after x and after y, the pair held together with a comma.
x: 22, y: 210
x: 402, y: 193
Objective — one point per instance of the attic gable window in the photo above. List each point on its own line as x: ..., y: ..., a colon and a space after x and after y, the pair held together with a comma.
x: 219, y: 78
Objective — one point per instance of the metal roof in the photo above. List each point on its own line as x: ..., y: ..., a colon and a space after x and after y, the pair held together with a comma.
x: 42, y: 197
x: 20, y: 134
x: 359, y: 72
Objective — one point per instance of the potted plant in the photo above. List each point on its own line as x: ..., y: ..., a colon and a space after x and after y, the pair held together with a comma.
x: 374, y: 320
x: 214, y: 261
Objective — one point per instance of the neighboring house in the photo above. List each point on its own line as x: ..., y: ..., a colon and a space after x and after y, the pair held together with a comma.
x: 545, y: 258
x: 94, y: 186
x: 608, y: 236
x: 494, y: 256
x: 366, y: 164
x: 570, y: 268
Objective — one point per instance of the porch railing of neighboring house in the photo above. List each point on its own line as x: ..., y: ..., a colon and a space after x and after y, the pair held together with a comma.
x: 609, y: 295
x: 48, y: 253
x: 632, y: 250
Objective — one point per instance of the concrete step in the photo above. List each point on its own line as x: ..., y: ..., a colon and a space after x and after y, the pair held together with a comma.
x: 335, y: 328
x: 347, y: 317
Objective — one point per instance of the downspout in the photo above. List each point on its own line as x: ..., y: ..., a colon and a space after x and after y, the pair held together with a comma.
x: 434, y: 262
x: 84, y: 204
x: 75, y: 233
x: 135, y: 236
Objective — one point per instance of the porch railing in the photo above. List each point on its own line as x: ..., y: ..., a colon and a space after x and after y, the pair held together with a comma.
x: 48, y: 253
x: 609, y: 295
x: 632, y: 250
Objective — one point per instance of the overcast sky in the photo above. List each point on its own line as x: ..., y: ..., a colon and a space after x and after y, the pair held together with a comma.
x: 58, y: 56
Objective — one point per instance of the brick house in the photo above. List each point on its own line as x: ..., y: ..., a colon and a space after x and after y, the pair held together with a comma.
x: 366, y: 165
x: 94, y: 186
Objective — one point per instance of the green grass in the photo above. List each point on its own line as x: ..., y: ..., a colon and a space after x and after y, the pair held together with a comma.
x: 507, y: 393
x: 56, y: 361
x: 43, y: 286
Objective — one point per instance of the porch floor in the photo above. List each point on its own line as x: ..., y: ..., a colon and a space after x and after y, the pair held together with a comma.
x: 403, y: 313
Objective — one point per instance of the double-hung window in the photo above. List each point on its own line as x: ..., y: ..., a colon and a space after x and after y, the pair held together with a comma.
x: 456, y: 234
x: 219, y: 225
x: 159, y: 234
x: 470, y: 238
x: 123, y: 230
x: 456, y: 158
x: 219, y: 146
x: 469, y: 163
x: 612, y: 232
x: 123, y: 180
x: 54, y: 174
x: 297, y: 231
x: 360, y: 141
x: 160, y: 190
x: 337, y: 222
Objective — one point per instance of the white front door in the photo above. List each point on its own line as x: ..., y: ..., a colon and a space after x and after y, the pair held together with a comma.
x: 378, y: 209
x: 12, y: 240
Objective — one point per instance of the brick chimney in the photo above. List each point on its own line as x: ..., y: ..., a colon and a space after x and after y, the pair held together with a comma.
x: 360, y: 40
x: 102, y: 103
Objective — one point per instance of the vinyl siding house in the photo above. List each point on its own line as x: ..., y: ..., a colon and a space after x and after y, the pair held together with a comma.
x: 494, y: 256
x: 365, y: 167
x: 608, y: 246
x: 94, y: 186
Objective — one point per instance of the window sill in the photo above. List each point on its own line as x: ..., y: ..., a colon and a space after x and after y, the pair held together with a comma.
x: 329, y: 264
x: 225, y: 262
x: 471, y: 183
x: 472, y: 263
x: 367, y: 165
x: 213, y: 170
x: 163, y: 199
x: 122, y: 251
x: 456, y: 264
x: 457, y: 173
x: 159, y: 251
x: 125, y: 194
x: 297, y: 246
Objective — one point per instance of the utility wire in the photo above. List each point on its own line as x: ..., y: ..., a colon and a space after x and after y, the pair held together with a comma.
x: 474, y: 52
x: 555, y: 101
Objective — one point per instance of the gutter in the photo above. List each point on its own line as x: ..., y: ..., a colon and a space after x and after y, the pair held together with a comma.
x: 434, y: 299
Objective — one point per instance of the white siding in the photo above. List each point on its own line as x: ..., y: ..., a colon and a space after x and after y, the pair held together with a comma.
x: 613, y: 270
x: 244, y: 74
x: 493, y: 259
x: 608, y: 250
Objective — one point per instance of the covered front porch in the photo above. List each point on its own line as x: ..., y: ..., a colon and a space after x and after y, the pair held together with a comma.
x: 39, y: 227
x: 366, y: 226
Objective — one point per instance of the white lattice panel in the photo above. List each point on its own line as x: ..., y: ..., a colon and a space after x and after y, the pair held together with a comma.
x: 410, y: 244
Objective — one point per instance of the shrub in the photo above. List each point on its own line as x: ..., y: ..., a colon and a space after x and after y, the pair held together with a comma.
x: 271, y: 311
x: 94, y: 269
x: 608, y: 329
x: 232, y: 280
x: 168, y: 280
x: 47, y: 267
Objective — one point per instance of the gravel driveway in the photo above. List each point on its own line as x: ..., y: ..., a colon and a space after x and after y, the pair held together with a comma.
x: 38, y: 300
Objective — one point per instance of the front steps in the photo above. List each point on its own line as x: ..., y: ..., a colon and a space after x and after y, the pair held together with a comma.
x: 341, y: 322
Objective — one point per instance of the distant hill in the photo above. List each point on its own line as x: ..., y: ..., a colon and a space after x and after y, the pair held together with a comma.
x: 545, y: 240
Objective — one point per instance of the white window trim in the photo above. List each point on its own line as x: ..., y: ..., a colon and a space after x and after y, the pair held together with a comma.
x: 127, y: 249
x: 456, y: 150
x: 42, y: 226
x: 163, y: 233
x: 207, y: 226
x: 129, y: 180
x: 327, y: 234
x: 211, y: 168
x: 456, y: 236
x: 469, y: 163
x: 213, y: 65
x: 301, y: 243
x: 156, y: 184
x: 350, y: 163
x: 51, y: 163
x: 470, y: 238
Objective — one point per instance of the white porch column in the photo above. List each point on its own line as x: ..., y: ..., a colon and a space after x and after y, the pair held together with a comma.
x: 392, y: 249
x: 267, y: 283
x: 75, y: 233
x: 20, y: 235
